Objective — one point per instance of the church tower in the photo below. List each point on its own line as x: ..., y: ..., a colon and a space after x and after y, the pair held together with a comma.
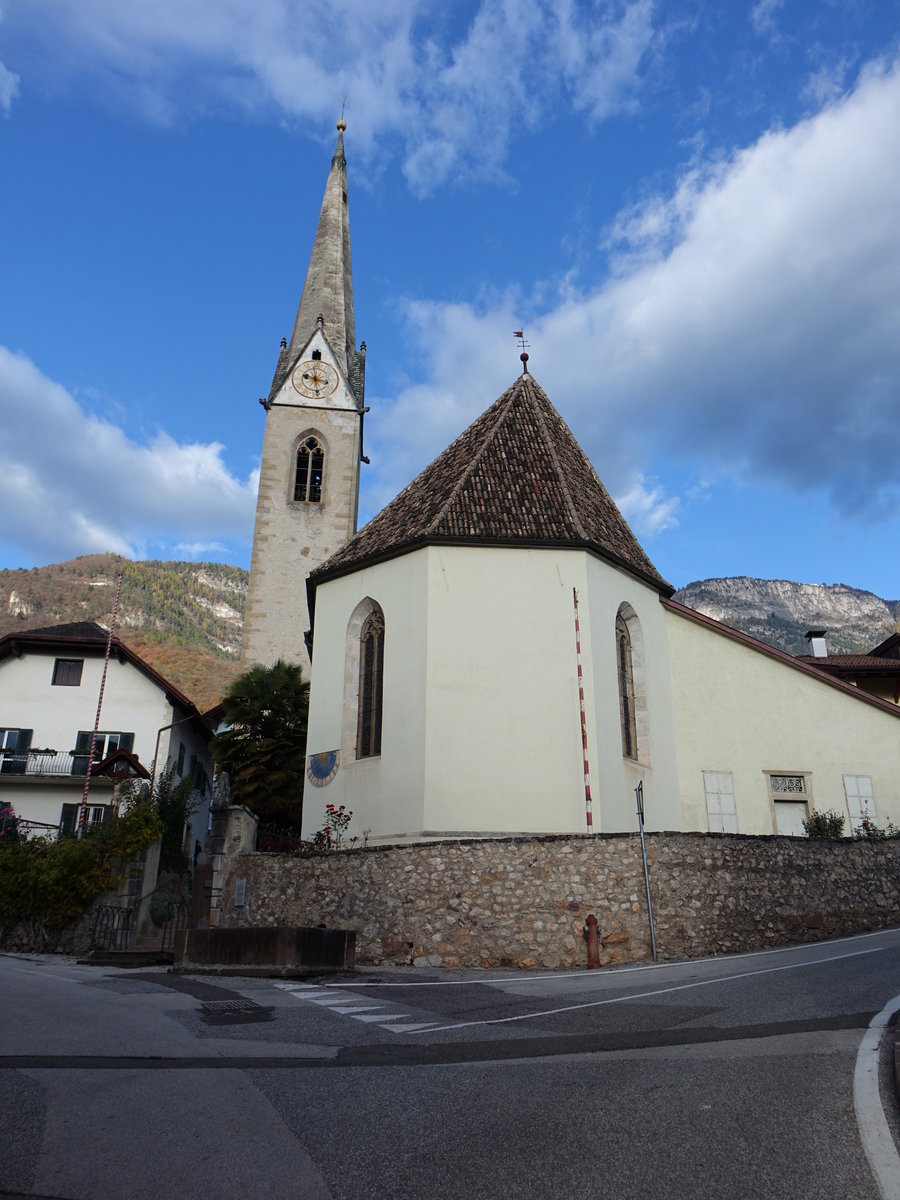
x: 306, y: 508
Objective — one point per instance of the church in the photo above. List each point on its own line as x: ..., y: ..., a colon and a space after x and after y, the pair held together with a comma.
x: 494, y: 654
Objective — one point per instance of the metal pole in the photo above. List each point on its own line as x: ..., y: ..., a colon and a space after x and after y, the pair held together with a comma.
x: 639, y: 796
x: 90, y: 763
x: 584, y: 745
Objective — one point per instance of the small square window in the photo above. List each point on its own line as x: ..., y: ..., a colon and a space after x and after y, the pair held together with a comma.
x: 67, y: 672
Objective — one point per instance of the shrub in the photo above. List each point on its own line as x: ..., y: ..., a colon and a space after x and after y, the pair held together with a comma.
x: 828, y: 824
x: 46, y: 886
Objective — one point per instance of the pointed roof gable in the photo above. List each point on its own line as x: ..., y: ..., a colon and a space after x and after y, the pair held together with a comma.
x: 328, y: 290
x: 515, y: 477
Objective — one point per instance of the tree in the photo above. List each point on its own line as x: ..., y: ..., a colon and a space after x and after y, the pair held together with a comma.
x: 264, y: 752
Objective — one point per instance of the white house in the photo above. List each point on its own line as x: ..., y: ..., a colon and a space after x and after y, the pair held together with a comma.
x: 49, y: 685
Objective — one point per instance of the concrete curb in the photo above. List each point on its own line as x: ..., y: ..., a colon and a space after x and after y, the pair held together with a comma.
x: 875, y: 1134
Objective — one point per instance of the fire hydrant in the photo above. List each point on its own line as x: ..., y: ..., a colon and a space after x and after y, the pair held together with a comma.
x: 592, y: 937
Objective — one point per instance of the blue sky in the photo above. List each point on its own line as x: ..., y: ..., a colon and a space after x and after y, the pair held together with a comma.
x: 692, y: 207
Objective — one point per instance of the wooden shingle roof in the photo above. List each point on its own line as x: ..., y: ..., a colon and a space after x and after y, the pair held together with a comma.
x: 515, y: 477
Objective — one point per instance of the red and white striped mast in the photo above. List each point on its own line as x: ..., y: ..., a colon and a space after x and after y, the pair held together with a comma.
x: 87, y: 775
x: 584, y: 745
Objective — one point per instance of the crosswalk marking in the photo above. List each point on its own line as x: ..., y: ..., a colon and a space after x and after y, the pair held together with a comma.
x: 350, y: 1005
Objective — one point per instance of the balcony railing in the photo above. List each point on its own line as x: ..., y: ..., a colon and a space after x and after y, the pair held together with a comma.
x: 38, y: 762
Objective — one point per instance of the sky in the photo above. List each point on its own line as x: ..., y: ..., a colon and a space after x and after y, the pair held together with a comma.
x: 692, y: 208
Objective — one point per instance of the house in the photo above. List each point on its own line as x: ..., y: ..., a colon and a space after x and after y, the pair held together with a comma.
x: 49, y: 684
x: 877, y: 671
x: 495, y: 653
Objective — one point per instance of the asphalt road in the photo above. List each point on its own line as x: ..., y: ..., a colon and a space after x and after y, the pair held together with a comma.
x: 731, y: 1077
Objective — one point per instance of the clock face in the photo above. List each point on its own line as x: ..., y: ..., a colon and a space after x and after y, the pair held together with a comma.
x: 315, y: 379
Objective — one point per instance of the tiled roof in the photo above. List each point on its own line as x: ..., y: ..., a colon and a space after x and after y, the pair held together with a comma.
x: 516, y: 476
x: 852, y: 662
x: 79, y: 629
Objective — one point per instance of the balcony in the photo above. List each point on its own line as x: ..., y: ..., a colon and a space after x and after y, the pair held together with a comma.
x: 43, y: 764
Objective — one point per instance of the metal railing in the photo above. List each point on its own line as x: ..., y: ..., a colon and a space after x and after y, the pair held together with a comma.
x: 42, y: 762
x: 112, y: 927
x: 177, y: 917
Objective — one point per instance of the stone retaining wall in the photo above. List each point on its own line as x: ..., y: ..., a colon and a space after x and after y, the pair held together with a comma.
x: 523, y: 901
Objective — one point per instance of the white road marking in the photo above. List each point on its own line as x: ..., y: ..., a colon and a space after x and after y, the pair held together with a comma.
x: 874, y: 1132
x: 680, y: 987
x: 358, y: 1008
x: 409, y: 1028
x: 383, y: 1017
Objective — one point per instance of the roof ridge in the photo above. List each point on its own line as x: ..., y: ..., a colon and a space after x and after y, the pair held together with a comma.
x: 563, y: 483
x: 473, y: 461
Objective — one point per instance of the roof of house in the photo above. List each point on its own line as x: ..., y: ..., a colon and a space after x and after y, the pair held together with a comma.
x: 798, y: 662
x: 87, y: 637
x: 854, y: 664
x: 516, y: 477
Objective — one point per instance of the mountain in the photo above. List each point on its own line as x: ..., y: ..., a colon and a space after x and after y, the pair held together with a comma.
x: 186, y: 618
x: 780, y: 612
x: 183, y: 618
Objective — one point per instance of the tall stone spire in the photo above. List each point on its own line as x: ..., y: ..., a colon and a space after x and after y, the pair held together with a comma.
x: 328, y: 290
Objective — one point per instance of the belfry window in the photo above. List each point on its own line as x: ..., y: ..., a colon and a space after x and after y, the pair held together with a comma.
x: 626, y: 688
x: 309, y: 479
x: 371, y: 672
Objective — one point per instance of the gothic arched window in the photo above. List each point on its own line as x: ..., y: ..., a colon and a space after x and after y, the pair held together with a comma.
x: 625, y: 671
x: 371, y: 672
x: 308, y: 481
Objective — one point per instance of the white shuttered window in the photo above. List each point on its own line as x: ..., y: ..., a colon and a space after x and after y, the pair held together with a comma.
x: 720, y: 805
x: 860, y: 800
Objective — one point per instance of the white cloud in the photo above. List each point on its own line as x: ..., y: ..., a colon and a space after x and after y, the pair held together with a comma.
x: 76, y: 484
x: 9, y: 88
x: 453, y: 99
x: 646, y: 507
x: 763, y: 14
x: 750, y: 330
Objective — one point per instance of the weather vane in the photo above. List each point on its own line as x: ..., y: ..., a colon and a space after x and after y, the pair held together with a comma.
x: 519, y: 335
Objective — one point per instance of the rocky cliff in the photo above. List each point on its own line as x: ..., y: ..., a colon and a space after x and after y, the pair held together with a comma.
x: 780, y: 612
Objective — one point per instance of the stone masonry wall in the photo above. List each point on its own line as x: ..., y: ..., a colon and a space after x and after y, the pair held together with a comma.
x: 523, y: 901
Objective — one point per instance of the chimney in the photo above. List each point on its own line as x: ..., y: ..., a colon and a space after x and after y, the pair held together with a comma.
x: 818, y: 647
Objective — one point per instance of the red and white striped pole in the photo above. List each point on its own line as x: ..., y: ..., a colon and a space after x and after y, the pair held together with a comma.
x: 584, y: 745
x: 82, y: 813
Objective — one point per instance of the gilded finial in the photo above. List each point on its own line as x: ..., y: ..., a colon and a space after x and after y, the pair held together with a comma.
x: 342, y: 124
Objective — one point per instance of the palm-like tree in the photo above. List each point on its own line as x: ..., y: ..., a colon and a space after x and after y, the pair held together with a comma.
x: 264, y: 752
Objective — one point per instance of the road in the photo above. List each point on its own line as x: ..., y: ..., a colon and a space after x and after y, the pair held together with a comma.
x: 730, y: 1077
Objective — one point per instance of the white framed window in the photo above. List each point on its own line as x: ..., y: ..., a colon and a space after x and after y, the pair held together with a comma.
x: 721, y: 811
x: 790, y: 796
x: 106, y: 744
x: 860, y: 800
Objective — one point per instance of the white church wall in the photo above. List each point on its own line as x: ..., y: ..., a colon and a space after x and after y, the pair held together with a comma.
x: 614, y: 776
x: 503, y: 727
x: 384, y: 791
x: 743, y: 713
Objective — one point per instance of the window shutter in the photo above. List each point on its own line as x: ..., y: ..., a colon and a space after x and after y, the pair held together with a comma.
x: 82, y: 746
x: 69, y: 818
x: 20, y: 761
